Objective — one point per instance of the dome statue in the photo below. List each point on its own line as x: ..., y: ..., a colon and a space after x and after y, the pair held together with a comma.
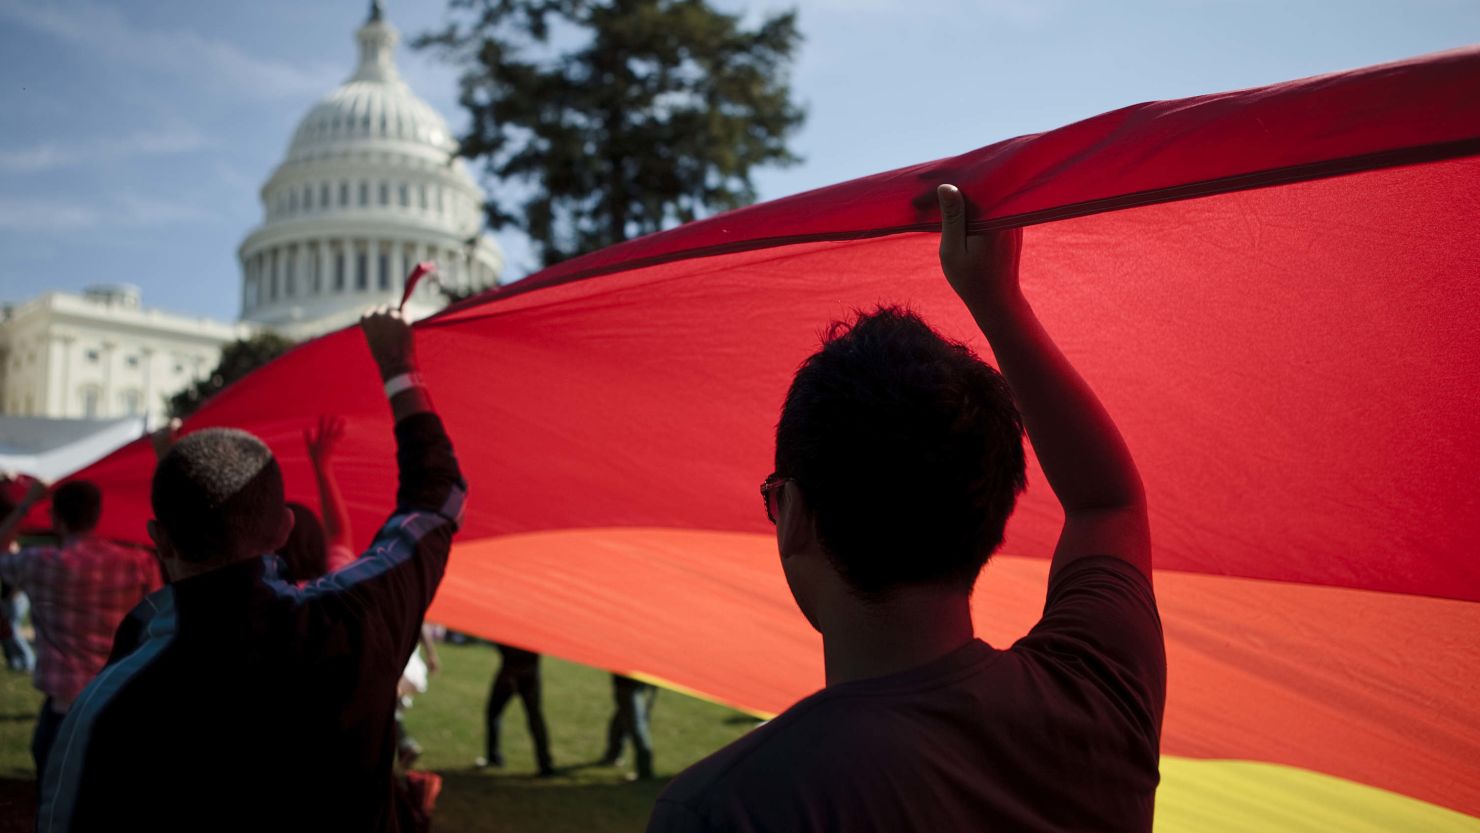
x: 371, y: 185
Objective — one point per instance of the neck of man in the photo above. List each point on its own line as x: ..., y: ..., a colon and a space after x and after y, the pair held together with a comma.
x: 178, y: 569
x: 909, y: 628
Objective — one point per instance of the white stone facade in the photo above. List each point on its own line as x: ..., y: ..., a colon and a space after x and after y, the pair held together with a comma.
x: 103, y: 355
x: 371, y: 185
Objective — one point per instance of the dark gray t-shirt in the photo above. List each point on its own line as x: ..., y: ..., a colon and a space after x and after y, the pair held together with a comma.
x: 1059, y: 732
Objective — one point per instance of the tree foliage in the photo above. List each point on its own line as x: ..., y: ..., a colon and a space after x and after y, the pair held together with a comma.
x: 618, y: 118
x: 238, y: 358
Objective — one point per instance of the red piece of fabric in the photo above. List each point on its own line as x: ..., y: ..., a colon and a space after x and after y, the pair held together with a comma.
x: 1272, y: 290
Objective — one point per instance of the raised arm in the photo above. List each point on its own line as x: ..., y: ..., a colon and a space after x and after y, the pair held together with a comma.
x: 1086, y: 461
x: 392, y: 583
x: 321, y: 441
x: 12, y: 523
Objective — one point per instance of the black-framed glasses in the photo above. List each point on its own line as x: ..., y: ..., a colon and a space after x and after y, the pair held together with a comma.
x: 771, y: 495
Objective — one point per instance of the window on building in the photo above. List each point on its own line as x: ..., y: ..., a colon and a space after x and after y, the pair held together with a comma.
x: 131, y: 401
x: 339, y: 272
x: 422, y: 196
x: 441, y: 200
x: 362, y: 271
x: 90, y: 397
x: 132, y: 361
x: 364, y: 193
x: 292, y: 201
x: 308, y: 198
x: 405, y: 195
x: 343, y: 194
x: 324, y: 196
x: 290, y: 276
x: 384, y: 271
x: 92, y: 357
x: 315, y: 271
x: 385, y: 193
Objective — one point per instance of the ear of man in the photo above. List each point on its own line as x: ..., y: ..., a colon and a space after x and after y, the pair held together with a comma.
x: 285, y: 529
x: 796, y: 527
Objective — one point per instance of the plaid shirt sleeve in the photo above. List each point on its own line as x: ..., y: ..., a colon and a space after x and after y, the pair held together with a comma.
x: 387, y: 590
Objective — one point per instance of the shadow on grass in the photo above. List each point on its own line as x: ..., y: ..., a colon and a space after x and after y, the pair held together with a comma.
x: 475, y: 802
x: 17, y: 805
x: 471, y: 802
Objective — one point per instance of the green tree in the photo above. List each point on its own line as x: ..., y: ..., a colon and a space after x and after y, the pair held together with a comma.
x: 617, y: 118
x: 238, y: 358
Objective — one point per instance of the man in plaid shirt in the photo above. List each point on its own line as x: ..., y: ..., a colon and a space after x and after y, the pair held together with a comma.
x: 80, y: 591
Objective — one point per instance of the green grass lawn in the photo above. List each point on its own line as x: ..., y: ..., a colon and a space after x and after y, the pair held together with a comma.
x: 448, y: 723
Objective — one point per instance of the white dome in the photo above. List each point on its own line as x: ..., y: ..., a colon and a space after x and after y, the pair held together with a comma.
x: 370, y: 185
x: 377, y: 111
x: 374, y: 105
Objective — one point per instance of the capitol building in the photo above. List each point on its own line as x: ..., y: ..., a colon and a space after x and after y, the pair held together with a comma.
x: 371, y: 185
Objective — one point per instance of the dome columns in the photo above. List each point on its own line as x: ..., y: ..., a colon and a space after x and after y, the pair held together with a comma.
x: 370, y: 186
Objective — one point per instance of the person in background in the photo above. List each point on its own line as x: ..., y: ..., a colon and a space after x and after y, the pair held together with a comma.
x: 19, y: 656
x: 423, y: 664
x: 634, y: 709
x: 518, y: 673
x: 236, y: 700
x: 80, y: 590
x: 899, y: 458
x: 314, y: 549
x: 14, y: 606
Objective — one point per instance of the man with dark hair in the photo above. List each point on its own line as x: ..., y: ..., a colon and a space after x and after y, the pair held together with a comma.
x: 898, y: 461
x: 237, y: 700
x: 79, y: 590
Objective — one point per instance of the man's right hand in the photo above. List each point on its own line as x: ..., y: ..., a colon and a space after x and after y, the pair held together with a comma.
x: 389, y: 338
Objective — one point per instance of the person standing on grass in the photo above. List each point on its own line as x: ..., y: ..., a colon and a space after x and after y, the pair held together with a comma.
x: 898, y: 460
x: 518, y: 674
x: 80, y: 590
x: 237, y: 700
x: 634, y: 708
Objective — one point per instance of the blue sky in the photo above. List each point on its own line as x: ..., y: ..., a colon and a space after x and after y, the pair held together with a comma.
x: 136, y: 134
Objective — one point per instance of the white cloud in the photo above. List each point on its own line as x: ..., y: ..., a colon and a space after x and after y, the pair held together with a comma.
x: 56, y: 216
x: 45, y: 215
x: 103, y: 30
x: 49, y: 156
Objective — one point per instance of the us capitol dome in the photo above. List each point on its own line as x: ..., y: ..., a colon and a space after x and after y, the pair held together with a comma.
x: 371, y: 185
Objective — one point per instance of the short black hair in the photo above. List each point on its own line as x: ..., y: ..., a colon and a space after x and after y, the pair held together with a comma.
x: 78, y: 504
x: 908, y: 449
x: 216, y: 491
x: 306, y: 552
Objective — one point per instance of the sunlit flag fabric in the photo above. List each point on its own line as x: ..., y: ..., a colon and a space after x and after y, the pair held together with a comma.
x: 1275, y: 292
